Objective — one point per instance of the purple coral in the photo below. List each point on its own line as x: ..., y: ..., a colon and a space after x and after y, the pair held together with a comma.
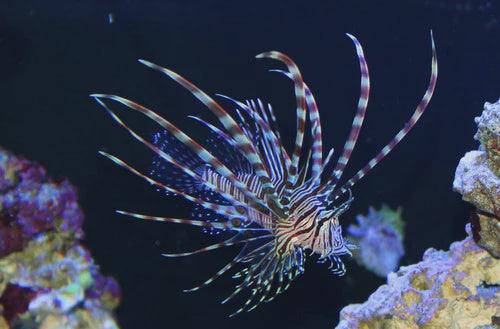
x: 44, y: 270
x: 104, y: 288
x: 379, y: 236
x: 31, y: 203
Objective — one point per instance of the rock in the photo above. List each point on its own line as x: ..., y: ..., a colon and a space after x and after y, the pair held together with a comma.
x: 47, y: 278
x: 488, y: 134
x: 454, y: 289
x: 477, y: 183
x: 477, y: 179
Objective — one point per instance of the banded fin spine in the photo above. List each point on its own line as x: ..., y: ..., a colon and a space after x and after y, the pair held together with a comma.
x: 275, y: 142
x: 301, y: 119
x: 358, y: 118
x: 167, y: 158
x: 200, y: 151
x: 242, y: 142
x: 228, y: 211
x: 314, y: 119
x: 421, y: 107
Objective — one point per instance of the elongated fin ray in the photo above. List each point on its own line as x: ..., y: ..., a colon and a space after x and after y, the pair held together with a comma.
x: 243, y: 190
x: 171, y: 160
x: 231, y: 126
x: 268, y: 132
x: 201, y: 152
x: 215, y: 276
x: 191, y: 222
x: 228, y: 211
x: 228, y: 243
x: 315, y: 179
x: 303, y: 171
x: 301, y: 117
x: 223, y: 147
x: 314, y: 118
x: 216, y: 130
x: 401, y: 134
x: 273, y: 138
x: 288, y: 162
x: 358, y: 118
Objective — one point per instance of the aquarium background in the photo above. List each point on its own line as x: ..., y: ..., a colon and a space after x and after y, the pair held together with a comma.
x: 54, y: 54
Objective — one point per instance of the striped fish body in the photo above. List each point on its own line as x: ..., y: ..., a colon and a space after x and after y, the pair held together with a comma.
x: 242, y: 180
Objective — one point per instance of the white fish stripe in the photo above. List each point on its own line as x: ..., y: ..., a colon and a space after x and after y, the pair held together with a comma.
x: 214, y: 277
x: 195, y: 147
x: 301, y: 115
x: 358, y: 119
x: 227, y: 121
x: 222, y: 183
x: 216, y: 246
x: 421, y: 107
x: 173, y: 220
x: 271, y: 147
x: 306, y: 219
x: 267, y: 130
x: 168, y: 158
x: 228, y: 211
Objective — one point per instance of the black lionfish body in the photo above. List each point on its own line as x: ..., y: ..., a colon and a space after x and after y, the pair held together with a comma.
x: 244, y: 181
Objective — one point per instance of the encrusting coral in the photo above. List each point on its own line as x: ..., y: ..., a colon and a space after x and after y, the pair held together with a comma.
x: 47, y: 278
x: 459, y: 288
x: 453, y: 289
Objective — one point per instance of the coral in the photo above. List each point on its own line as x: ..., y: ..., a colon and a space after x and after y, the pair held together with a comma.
x: 477, y: 179
x: 30, y: 203
x: 454, y: 289
x: 459, y: 288
x: 379, y: 236
x: 47, y: 278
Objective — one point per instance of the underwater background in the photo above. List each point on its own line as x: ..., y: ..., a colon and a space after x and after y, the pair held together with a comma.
x: 54, y: 54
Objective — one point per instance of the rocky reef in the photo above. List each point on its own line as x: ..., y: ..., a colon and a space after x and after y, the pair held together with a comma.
x: 379, y: 237
x: 459, y: 288
x: 47, y: 278
x: 477, y: 180
x: 447, y: 289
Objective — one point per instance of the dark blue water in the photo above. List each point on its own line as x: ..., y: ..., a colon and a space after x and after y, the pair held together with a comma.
x: 52, y: 56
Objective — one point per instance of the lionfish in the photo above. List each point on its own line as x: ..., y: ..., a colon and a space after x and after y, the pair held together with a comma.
x: 244, y: 181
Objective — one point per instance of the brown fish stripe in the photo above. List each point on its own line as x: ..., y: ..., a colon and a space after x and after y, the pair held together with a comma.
x: 421, y: 107
x: 251, y: 109
x: 228, y: 211
x: 279, y: 211
x: 301, y: 117
x: 229, y: 124
x: 358, y: 118
x: 315, y: 121
x: 194, y: 146
x: 169, y: 158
